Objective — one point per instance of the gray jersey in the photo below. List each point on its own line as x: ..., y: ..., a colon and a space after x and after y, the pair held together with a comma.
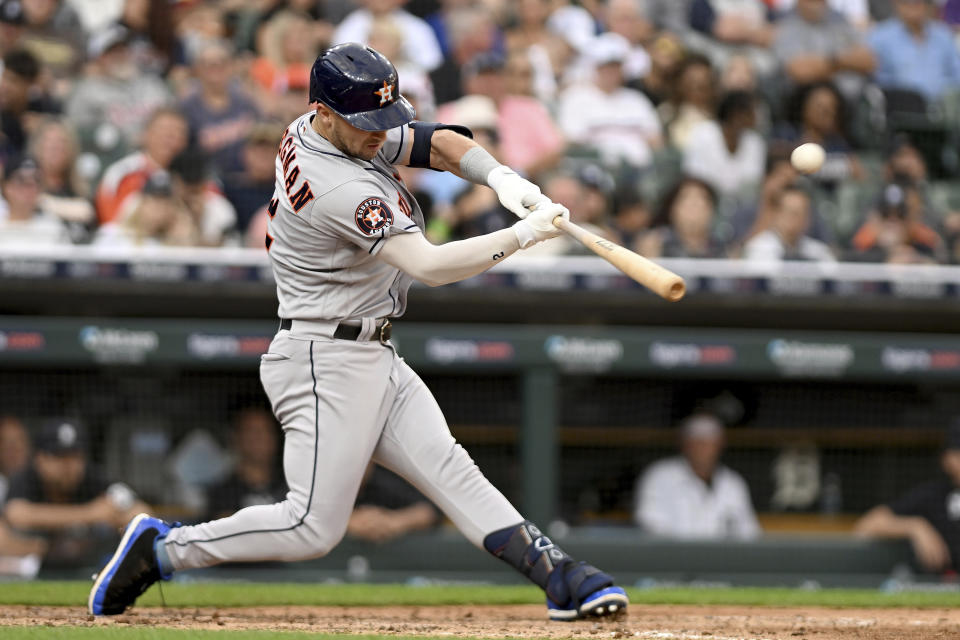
x: 329, y: 217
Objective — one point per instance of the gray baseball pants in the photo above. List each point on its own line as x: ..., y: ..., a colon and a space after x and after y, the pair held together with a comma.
x: 341, y: 403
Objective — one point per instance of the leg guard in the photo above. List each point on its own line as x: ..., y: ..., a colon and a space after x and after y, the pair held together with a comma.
x: 566, y: 581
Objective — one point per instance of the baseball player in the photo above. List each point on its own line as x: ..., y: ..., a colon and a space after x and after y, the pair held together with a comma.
x: 345, y: 238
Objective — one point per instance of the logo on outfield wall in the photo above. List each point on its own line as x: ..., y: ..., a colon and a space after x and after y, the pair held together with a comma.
x: 799, y: 358
x: 22, y: 341
x: 447, y: 351
x: 670, y: 355
x: 583, y: 354
x: 118, y: 345
x: 207, y: 346
x: 900, y: 360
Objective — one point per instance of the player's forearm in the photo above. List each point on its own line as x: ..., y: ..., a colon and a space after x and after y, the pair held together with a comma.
x: 881, y: 522
x: 29, y: 515
x: 436, y: 265
x: 447, y: 149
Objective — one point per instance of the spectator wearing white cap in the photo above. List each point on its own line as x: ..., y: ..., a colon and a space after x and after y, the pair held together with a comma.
x: 618, y: 123
x: 694, y: 495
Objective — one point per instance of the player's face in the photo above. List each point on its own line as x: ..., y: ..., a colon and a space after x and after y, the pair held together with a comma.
x: 60, y: 473
x: 352, y: 141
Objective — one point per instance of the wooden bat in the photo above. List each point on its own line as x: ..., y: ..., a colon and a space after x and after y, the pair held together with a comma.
x: 664, y: 283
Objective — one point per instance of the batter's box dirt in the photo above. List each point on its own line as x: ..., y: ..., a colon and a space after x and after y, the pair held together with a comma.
x: 661, y: 622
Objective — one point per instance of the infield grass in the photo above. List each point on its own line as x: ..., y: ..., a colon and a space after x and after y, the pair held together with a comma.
x: 250, y: 594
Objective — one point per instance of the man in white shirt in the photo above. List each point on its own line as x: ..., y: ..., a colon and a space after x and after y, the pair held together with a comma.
x: 619, y: 123
x: 727, y: 153
x: 692, y: 495
x: 786, y: 238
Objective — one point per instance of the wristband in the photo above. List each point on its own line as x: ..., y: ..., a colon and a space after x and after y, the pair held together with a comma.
x: 525, y: 234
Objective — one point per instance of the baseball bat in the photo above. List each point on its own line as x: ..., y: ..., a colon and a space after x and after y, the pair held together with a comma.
x: 663, y: 282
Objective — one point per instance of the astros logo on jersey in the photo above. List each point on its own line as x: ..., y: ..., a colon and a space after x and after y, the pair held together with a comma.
x: 373, y: 214
x: 386, y: 93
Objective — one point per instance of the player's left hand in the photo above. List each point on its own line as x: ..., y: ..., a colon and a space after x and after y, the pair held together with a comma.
x: 516, y: 194
x: 538, y: 225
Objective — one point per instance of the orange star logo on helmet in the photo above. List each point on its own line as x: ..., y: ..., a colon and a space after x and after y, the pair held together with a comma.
x: 386, y: 93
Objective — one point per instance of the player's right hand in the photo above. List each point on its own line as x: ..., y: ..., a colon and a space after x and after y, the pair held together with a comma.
x: 538, y: 225
x: 515, y: 193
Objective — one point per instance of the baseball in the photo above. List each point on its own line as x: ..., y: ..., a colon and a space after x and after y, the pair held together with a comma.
x: 808, y: 158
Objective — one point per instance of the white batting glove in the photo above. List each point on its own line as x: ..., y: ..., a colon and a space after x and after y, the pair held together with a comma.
x: 515, y: 193
x: 538, y: 225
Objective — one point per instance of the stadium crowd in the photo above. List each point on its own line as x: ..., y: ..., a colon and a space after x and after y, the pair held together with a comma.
x: 665, y: 125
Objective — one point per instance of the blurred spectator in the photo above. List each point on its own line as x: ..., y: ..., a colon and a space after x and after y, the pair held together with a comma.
x: 787, y: 238
x: 213, y: 214
x: 251, y: 188
x: 928, y: 515
x: 816, y: 44
x: 14, y: 452
x: 387, y: 507
x: 166, y: 134
x: 20, y: 101
x: 256, y: 478
x: 286, y: 53
x: 751, y: 219
x: 916, y: 52
x: 531, y: 33
x: 419, y: 43
x: 694, y: 495
x: 54, y: 34
x: 113, y: 100
x: 691, y: 99
x: 63, y: 497
x: 153, y: 216
x: 152, y: 40
x: 219, y: 111
x: 896, y: 230
x: 817, y: 114
x: 22, y: 220
x: 12, y: 26
x: 65, y: 194
x: 727, y: 153
x: 856, y: 12
x: 666, y: 52
x: 616, y: 122
x: 470, y: 30
x: 530, y: 141
x: 669, y: 15
x: 684, y: 226
x: 631, y: 219
x: 626, y: 18
x: 740, y: 27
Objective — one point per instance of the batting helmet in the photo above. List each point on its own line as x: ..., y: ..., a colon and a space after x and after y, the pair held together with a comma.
x: 360, y: 85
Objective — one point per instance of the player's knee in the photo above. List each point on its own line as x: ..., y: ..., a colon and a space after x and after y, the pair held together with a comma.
x: 320, y: 538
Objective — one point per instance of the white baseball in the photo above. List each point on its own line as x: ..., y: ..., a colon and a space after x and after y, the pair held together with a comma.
x: 808, y: 157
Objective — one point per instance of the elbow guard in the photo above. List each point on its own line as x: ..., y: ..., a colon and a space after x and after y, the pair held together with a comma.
x: 423, y: 135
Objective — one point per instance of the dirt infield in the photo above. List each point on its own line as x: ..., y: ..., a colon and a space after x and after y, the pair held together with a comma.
x: 661, y: 622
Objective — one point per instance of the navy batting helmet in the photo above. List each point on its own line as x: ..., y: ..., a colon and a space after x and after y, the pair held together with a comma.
x: 360, y: 85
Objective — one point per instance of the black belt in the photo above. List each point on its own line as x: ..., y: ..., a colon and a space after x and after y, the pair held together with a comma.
x: 351, y: 331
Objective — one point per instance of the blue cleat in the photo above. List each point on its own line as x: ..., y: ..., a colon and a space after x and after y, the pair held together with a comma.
x: 131, y: 570
x: 609, y: 601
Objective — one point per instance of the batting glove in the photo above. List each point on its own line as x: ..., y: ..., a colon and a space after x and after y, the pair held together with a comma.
x: 515, y: 193
x: 538, y: 225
